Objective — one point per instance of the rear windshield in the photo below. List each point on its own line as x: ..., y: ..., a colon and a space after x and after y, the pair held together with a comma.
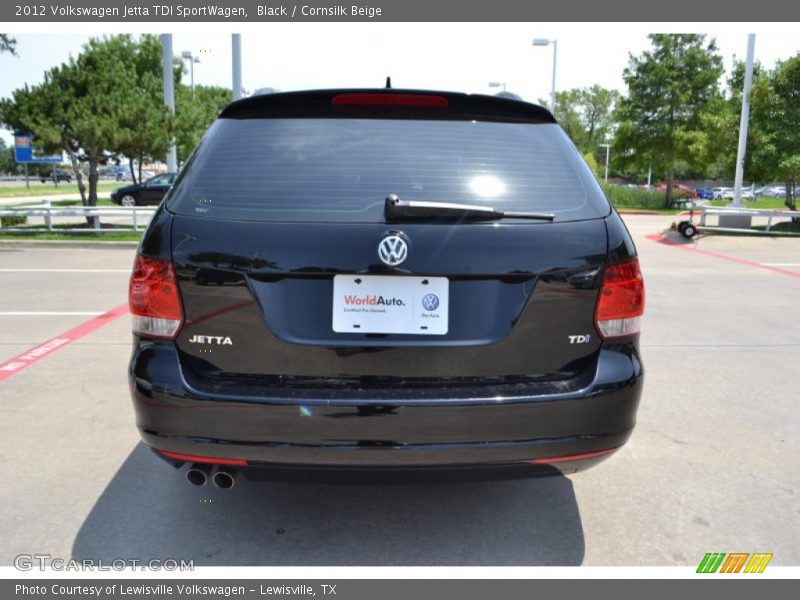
x: 341, y: 170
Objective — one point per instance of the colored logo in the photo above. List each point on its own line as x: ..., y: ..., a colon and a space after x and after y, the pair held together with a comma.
x: 430, y: 301
x: 733, y: 562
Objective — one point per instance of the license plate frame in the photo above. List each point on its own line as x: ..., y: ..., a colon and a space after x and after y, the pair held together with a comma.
x: 386, y: 304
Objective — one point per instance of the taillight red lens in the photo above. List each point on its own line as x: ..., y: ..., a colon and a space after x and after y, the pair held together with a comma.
x: 621, y: 300
x: 571, y: 457
x: 211, y: 460
x: 154, y: 299
x: 390, y: 100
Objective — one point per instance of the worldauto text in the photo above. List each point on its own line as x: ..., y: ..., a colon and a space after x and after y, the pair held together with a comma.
x: 372, y: 301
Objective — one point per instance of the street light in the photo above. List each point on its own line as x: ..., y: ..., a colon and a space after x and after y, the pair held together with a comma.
x: 192, y: 59
x: 495, y: 84
x: 169, y: 94
x: 547, y: 42
x: 608, y: 150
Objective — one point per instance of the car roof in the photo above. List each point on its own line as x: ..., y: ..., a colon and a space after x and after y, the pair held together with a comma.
x: 405, y: 103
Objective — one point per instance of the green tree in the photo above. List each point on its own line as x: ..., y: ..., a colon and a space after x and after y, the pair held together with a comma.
x: 587, y: 116
x: 773, y: 149
x: 669, y: 89
x: 8, y: 44
x: 145, y: 127
x: 778, y: 116
x: 7, y: 163
x: 91, y: 106
x: 591, y: 161
x: 193, y: 115
x: 721, y: 123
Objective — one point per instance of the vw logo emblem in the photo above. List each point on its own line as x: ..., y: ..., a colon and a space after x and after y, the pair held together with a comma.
x: 430, y: 301
x: 392, y: 250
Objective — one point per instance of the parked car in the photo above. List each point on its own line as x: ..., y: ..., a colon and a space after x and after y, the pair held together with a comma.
x: 776, y: 191
x: 151, y: 191
x: 687, y: 191
x: 58, y: 175
x: 117, y: 173
x: 720, y: 192
x: 406, y: 283
x: 705, y: 193
x: 728, y: 194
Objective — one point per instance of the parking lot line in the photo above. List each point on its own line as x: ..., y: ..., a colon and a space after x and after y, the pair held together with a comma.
x: 65, y: 270
x: 37, y: 353
x: 17, y: 313
x: 661, y: 239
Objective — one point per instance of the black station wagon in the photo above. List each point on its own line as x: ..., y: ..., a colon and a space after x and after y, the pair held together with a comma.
x: 385, y: 283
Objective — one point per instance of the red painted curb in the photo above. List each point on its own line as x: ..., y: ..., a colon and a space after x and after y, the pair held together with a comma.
x: 37, y: 353
x: 661, y: 239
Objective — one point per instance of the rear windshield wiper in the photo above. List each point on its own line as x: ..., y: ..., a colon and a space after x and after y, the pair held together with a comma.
x: 397, y: 210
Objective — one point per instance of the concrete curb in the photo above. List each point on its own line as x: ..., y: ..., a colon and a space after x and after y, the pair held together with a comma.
x: 638, y: 212
x: 79, y: 244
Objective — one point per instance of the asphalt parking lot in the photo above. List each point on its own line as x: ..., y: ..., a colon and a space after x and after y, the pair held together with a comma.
x: 712, y: 465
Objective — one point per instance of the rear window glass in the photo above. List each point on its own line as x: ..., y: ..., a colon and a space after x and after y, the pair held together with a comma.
x: 341, y: 170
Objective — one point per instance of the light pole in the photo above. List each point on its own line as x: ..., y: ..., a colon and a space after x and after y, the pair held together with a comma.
x: 236, y: 64
x: 192, y: 59
x: 608, y: 151
x: 169, y: 95
x: 496, y: 84
x: 547, y: 42
x: 744, y: 120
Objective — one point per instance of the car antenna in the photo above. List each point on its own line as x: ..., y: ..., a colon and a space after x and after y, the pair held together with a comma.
x: 388, y: 83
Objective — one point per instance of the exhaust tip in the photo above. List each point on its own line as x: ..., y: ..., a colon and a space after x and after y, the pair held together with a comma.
x: 224, y: 479
x: 198, y: 474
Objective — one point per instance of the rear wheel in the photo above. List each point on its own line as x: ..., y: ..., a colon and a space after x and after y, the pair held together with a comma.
x: 127, y: 200
x: 689, y: 231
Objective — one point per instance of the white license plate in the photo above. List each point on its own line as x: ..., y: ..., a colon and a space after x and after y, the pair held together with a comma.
x: 386, y: 304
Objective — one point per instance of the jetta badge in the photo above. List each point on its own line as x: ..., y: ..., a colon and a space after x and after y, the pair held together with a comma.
x: 392, y: 250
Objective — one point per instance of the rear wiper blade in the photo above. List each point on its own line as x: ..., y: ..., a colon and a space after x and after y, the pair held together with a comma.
x: 397, y: 210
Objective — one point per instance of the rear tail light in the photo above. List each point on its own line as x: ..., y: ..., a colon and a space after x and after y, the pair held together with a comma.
x: 390, y: 100
x: 209, y: 460
x: 154, y: 299
x: 549, y: 460
x: 621, y: 300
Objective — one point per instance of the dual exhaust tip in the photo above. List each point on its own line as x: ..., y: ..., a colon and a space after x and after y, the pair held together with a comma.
x: 222, y: 478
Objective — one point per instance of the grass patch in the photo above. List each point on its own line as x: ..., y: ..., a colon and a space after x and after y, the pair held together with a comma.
x: 110, y: 233
x: 101, y: 201
x: 48, y: 189
x: 764, y: 203
x: 113, y: 236
x: 639, y: 199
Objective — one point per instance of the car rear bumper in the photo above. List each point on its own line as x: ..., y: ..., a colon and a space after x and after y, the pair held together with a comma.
x: 504, y: 430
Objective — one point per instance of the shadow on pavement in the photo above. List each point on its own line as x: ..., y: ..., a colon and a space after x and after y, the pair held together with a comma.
x: 148, y: 510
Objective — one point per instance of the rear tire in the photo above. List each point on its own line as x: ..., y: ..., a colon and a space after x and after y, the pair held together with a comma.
x: 689, y: 231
